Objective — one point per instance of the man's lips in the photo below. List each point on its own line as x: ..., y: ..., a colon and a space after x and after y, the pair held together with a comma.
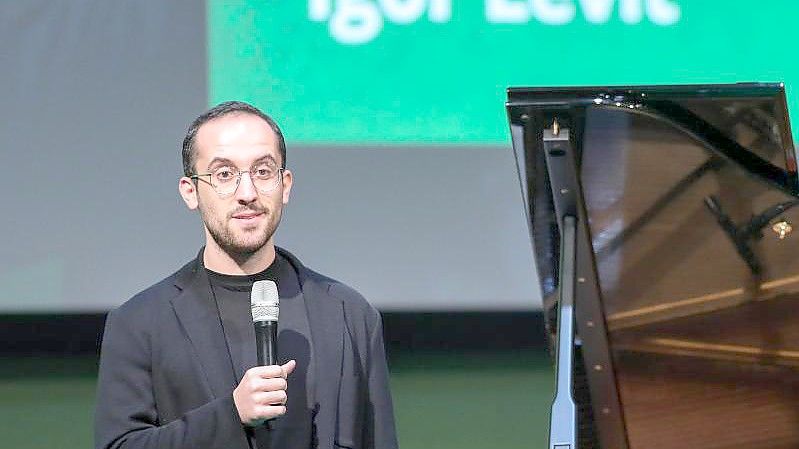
x: 247, y: 215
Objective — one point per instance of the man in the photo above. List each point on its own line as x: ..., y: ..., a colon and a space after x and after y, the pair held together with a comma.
x: 178, y: 361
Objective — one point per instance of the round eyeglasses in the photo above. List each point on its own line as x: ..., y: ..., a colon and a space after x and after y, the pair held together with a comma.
x: 225, y: 180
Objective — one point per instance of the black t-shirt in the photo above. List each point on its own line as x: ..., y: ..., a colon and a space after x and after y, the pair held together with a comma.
x: 232, y: 296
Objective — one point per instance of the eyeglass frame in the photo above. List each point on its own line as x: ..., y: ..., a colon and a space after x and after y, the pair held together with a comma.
x: 239, y: 174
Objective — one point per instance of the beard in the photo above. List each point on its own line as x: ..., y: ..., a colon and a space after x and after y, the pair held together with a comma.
x: 240, y: 242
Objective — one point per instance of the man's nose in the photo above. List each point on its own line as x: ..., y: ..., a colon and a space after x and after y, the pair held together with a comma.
x: 246, y: 192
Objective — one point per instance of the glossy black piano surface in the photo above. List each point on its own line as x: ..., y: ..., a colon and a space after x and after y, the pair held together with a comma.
x: 689, y: 319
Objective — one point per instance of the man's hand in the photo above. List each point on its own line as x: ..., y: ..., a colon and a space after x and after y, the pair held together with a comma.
x: 261, y: 394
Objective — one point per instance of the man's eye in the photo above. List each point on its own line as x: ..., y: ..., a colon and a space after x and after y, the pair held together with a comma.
x: 224, y: 174
x: 263, y: 172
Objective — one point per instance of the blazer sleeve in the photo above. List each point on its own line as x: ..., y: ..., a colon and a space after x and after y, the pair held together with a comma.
x: 126, y: 416
x: 379, y: 430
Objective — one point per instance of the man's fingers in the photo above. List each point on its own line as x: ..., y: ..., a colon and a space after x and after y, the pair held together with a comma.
x: 270, y: 397
x: 270, y: 371
x: 270, y: 384
x: 265, y: 413
x: 261, y: 394
x: 288, y: 367
x: 270, y: 411
x: 266, y: 372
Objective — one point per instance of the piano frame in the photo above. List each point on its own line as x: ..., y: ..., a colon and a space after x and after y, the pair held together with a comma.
x: 547, y: 126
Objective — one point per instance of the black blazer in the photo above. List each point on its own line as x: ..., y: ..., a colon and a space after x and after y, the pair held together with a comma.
x: 165, y: 379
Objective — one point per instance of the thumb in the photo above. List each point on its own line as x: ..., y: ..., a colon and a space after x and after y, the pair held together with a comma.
x: 288, y: 367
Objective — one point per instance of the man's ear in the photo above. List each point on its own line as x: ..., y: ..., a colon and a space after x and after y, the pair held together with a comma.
x: 188, y: 191
x: 288, y: 181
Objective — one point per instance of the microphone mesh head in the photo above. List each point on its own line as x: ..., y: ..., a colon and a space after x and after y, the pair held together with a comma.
x: 264, y: 301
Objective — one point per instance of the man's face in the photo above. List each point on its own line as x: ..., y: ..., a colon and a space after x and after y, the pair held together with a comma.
x: 243, y: 222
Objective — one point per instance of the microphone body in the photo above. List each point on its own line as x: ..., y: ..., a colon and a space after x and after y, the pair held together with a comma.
x: 265, y: 310
x: 266, y: 342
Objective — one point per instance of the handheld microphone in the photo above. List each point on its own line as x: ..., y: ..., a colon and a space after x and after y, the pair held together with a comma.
x: 264, y: 303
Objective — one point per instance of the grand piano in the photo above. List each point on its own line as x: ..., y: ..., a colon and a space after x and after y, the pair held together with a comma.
x: 662, y: 220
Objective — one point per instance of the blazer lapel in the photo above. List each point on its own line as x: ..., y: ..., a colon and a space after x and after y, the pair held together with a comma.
x: 326, y: 320
x: 198, y: 314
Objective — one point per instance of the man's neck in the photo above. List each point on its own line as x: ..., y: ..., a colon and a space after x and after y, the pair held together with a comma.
x: 217, y: 260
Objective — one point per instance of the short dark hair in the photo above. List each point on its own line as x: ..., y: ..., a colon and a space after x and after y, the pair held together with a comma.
x: 221, y: 110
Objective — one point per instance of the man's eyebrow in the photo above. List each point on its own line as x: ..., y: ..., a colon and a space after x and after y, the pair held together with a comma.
x: 268, y: 157
x: 218, y: 160
x: 226, y: 161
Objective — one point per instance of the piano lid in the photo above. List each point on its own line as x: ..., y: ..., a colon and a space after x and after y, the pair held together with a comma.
x: 690, y: 200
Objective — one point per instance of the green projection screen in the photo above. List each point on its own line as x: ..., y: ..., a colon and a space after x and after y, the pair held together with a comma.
x: 434, y: 71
